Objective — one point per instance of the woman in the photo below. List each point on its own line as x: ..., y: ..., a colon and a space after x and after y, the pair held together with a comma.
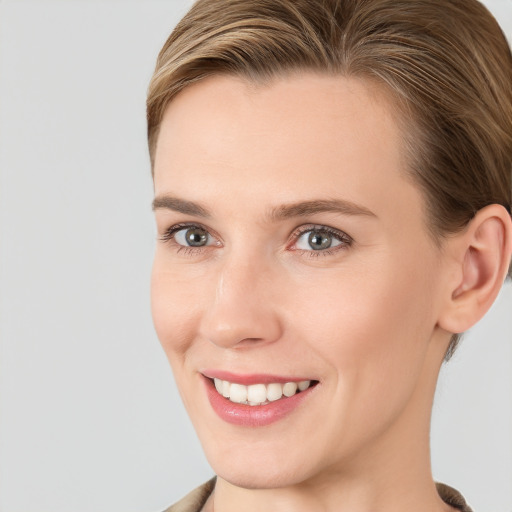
x: 332, y: 195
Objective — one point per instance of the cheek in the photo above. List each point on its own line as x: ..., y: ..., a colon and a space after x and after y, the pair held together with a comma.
x: 371, y: 330
x: 372, y: 323
x: 175, y: 310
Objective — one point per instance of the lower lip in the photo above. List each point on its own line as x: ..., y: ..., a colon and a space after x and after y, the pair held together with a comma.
x: 253, y: 415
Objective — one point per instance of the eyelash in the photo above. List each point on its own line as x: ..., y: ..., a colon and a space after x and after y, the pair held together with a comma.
x: 168, y: 237
x: 344, y: 239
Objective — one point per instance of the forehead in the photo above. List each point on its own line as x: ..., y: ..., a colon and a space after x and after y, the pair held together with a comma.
x: 299, y: 137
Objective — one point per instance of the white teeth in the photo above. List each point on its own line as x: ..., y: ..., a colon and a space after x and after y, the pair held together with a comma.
x: 290, y: 388
x: 238, y: 393
x: 304, y: 384
x: 274, y: 392
x: 225, y: 388
x: 258, y: 394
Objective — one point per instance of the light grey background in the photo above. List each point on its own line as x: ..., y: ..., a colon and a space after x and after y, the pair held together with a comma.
x: 89, y: 416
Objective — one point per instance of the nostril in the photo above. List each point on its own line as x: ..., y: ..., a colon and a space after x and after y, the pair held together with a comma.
x: 248, y: 342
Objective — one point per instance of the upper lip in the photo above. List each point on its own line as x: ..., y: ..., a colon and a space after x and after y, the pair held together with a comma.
x: 251, y: 378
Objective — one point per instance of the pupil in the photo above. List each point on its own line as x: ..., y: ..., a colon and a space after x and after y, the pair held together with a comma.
x: 196, y: 237
x: 318, y: 240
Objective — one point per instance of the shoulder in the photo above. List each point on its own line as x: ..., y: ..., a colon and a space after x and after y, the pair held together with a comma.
x: 453, y: 497
x: 194, y: 500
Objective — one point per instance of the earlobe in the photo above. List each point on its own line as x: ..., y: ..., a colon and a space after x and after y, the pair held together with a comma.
x: 484, y: 251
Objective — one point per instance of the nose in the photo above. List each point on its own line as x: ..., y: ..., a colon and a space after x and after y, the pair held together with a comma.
x: 242, y: 310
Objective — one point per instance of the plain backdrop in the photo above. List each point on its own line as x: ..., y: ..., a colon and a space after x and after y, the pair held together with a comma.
x: 90, y: 419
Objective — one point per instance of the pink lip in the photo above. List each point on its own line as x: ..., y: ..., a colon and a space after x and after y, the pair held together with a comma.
x: 253, y: 378
x: 257, y: 415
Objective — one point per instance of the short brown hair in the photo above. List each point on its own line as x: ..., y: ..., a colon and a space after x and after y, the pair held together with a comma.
x: 446, y: 63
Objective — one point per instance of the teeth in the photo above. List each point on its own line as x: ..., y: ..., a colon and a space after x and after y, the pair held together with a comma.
x: 290, y: 388
x: 238, y: 393
x: 274, y: 392
x: 225, y: 389
x: 258, y: 394
x: 304, y: 384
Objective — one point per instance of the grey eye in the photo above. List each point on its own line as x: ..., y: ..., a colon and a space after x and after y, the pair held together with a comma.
x: 192, y: 237
x: 317, y: 240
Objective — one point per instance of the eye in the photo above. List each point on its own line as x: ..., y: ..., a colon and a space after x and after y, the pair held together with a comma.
x: 193, y: 236
x: 189, y: 236
x: 321, y: 239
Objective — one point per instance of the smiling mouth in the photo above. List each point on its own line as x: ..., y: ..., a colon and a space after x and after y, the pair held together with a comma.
x: 260, y: 394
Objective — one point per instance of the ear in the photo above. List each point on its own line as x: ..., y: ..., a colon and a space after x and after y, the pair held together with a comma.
x: 481, y: 257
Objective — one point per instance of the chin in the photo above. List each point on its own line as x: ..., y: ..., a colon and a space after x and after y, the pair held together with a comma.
x: 248, y: 477
x: 262, y: 466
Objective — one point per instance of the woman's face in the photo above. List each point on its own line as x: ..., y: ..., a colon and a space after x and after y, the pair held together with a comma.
x: 293, y: 249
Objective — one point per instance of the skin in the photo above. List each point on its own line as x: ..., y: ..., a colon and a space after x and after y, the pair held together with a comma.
x: 368, y: 319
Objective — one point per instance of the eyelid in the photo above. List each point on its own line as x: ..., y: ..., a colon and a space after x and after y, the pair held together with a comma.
x: 168, y: 234
x: 345, y: 239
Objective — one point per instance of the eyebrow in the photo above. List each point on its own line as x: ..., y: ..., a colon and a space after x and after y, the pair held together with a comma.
x: 180, y: 206
x: 306, y: 208
x: 282, y: 212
